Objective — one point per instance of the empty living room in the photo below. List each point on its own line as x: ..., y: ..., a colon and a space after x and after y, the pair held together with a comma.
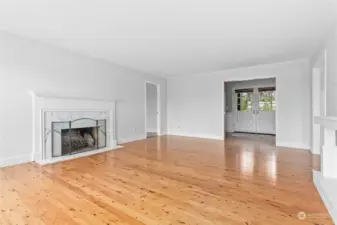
x: 167, y: 112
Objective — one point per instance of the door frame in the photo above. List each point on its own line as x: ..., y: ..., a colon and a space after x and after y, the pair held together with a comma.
x: 316, y: 111
x: 158, y: 107
x: 223, y: 113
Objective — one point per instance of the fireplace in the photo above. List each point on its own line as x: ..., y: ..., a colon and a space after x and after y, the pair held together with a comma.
x: 80, y: 135
x: 55, y: 118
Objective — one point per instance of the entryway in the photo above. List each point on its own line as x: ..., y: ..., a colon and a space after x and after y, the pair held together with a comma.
x: 152, y: 108
x: 250, y: 106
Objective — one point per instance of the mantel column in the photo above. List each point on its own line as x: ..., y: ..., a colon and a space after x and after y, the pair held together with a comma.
x: 329, y: 154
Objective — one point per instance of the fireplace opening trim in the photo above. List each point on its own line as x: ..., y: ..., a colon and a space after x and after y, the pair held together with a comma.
x: 76, y: 137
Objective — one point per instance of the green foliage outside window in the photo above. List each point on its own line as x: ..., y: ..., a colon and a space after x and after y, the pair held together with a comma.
x: 267, y: 101
x: 245, y: 101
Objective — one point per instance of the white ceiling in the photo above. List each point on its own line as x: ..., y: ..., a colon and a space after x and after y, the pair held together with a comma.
x: 175, y: 37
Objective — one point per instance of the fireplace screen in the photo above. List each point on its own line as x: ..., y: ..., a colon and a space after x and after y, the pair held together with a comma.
x: 76, y: 136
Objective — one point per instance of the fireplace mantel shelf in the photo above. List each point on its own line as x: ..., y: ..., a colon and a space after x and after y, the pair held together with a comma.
x: 71, y: 98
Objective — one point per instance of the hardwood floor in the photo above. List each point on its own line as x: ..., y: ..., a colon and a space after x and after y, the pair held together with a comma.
x: 168, y: 180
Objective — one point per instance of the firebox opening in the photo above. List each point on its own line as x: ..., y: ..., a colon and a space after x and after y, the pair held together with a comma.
x: 79, y: 139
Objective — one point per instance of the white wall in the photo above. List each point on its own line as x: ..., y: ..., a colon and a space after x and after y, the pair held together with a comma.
x: 196, y: 103
x: 331, y: 50
x: 325, y: 59
x: 28, y: 65
x: 151, y: 104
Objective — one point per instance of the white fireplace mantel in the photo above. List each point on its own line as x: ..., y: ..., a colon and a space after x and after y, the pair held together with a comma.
x: 329, y: 149
x: 48, y: 109
x: 326, y: 180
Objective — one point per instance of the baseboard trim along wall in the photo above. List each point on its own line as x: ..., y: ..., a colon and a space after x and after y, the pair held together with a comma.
x: 196, y: 135
x: 15, y: 160
x: 293, y: 145
x: 131, y: 139
x: 328, y: 196
x: 215, y: 137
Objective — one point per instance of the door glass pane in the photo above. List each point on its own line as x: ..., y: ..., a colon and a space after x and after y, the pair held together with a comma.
x: 244, y: 101
x: 267, y: 100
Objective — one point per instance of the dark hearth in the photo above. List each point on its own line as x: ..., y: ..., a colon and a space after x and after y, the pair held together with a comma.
x: 79, y: 139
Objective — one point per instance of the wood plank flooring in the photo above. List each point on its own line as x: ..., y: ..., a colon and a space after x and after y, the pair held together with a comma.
x: 168, y: 180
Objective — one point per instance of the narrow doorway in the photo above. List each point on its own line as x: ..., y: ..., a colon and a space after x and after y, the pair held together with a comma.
x: 152, y: 110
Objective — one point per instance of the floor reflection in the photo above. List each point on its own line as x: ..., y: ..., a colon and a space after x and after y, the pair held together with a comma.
x: 254, y: 158
x: 272, y: 168
x: 247, y: 163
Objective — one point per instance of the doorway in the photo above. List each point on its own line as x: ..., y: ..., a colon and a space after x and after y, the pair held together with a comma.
x: 255, y: 110
x: 152, y: 108
x: 251, y: 106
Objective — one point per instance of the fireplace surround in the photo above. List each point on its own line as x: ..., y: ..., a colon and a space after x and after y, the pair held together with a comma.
x: 66, y: 128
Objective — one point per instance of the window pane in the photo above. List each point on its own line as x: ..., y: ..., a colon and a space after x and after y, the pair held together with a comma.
x: 274, y: 106
x: 267, y: 101
x: 244, y: 101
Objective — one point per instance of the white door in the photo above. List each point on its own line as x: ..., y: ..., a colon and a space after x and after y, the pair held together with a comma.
x: 265, y: 122
x: 265, y: 110
x: 255, y: 110
x: 245, y: 118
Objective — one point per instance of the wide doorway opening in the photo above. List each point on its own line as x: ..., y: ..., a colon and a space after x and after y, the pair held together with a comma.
x: 250, y: 108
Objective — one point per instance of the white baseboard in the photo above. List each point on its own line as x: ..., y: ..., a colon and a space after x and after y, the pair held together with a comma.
x: 293, y: 145
x: 197, y: 135
x: 315, y: 153
x: 131, y: 139
x: 15, y: 160
x: 327, y: 190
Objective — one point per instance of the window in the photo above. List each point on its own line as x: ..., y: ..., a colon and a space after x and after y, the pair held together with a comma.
x: 244, y: 99
x: 267, y: 99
